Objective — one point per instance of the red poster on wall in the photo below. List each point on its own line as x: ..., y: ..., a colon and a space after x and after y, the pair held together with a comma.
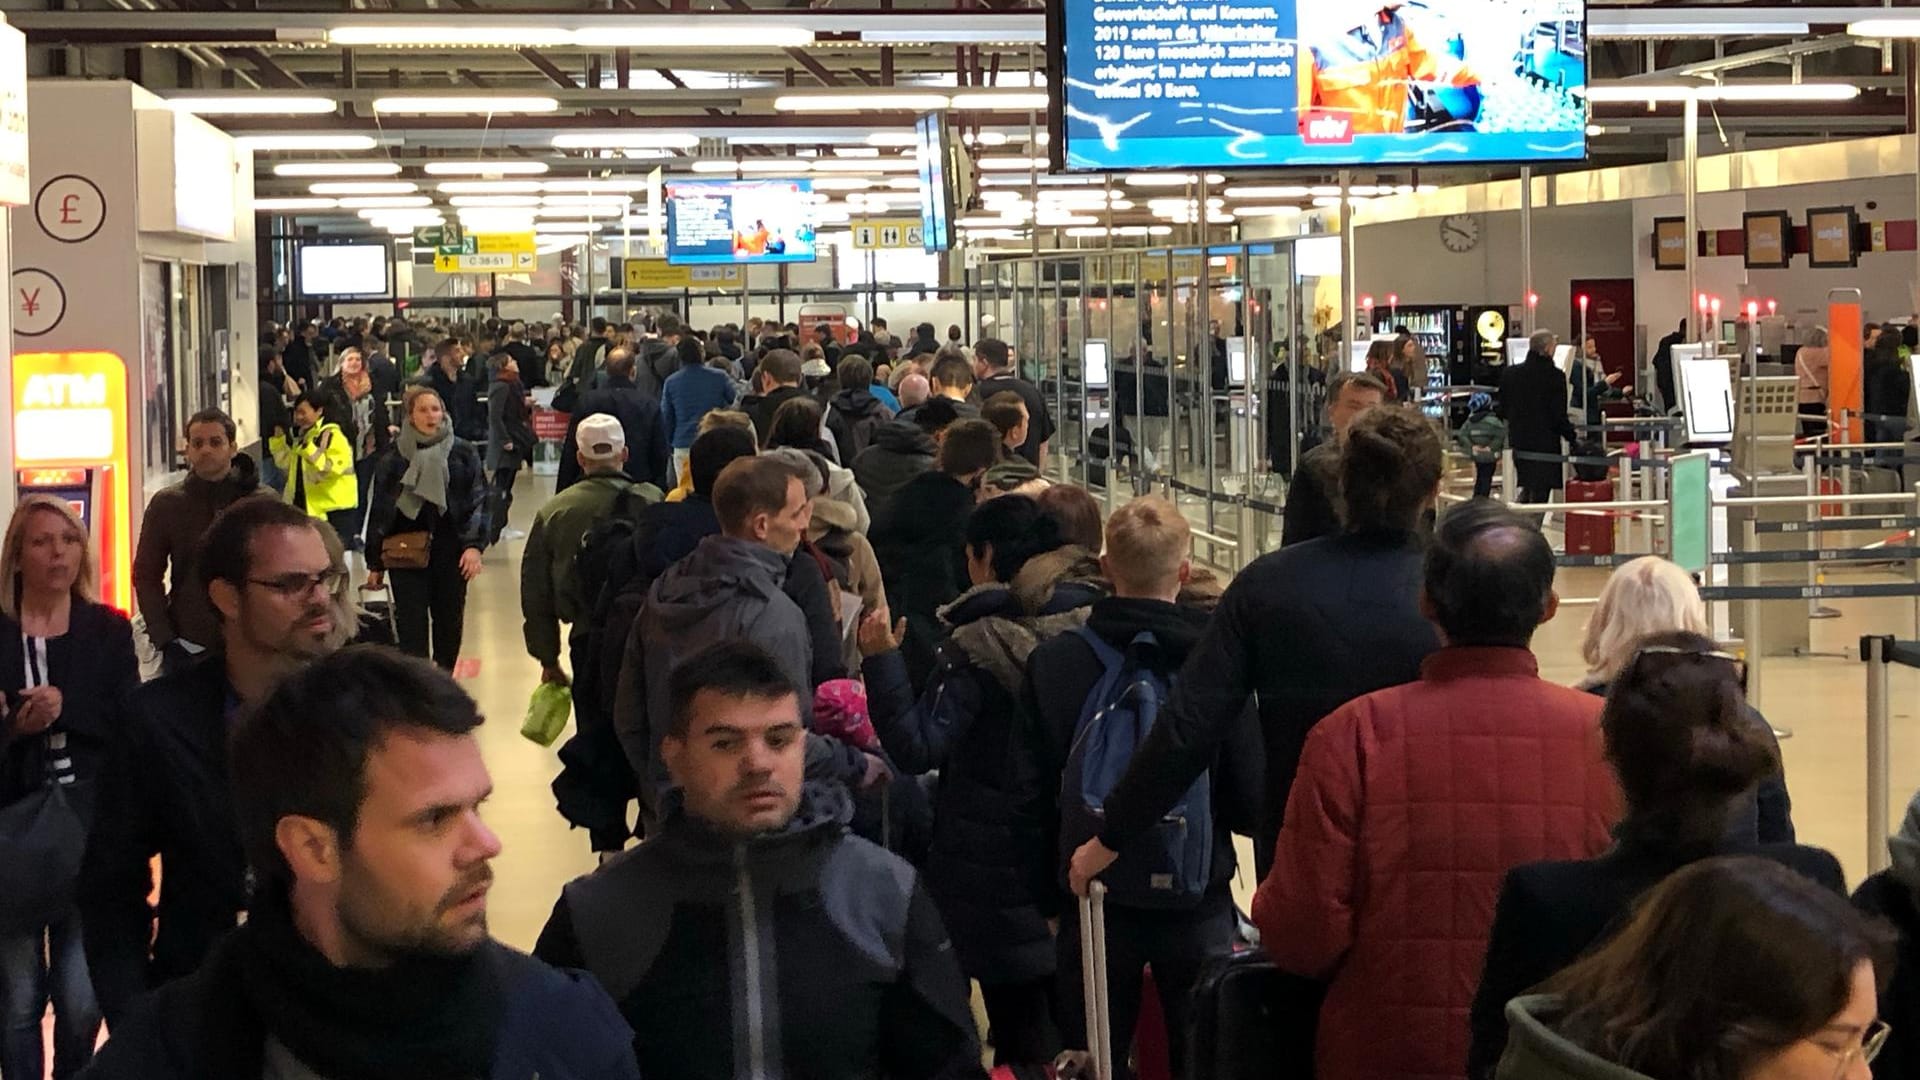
x: 1608, y: 320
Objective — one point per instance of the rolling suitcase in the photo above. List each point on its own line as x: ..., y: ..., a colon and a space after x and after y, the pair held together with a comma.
x: 1093, y: 980
x: 1589, y: 534
x: 1252, y: 1021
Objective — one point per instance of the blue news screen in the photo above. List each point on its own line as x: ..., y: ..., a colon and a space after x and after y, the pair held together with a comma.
x: 740, y: 221
x: 1153, y: 84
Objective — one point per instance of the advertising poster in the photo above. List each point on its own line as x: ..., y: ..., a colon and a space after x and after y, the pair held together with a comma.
x: 740, y: 221
x: 1217, y: 83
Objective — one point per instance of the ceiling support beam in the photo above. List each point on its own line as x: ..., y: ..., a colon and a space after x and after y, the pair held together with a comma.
x: 548, y: 68
x: 814, y: 67
x: 274, y: 75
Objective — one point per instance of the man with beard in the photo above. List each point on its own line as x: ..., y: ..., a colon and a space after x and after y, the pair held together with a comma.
x: 752, y: 935
x: 166, y: 790
x: 357, y: 787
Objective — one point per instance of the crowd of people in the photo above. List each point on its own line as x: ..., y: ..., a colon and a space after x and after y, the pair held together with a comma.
x: 863, y: 706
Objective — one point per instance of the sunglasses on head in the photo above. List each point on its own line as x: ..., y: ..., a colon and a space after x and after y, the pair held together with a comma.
x: 1706, y: 654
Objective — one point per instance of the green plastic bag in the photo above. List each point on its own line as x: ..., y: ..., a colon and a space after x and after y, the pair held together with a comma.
x: 547, y: 713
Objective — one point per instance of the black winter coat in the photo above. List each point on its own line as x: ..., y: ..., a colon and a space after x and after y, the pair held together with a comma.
x: 920, y: 545
x: 1305, y: 629
x: 1551, y: 913
x: 900, y: 451
x: 465, y: 521
x: 462, y: 399
x: 1062, y: 673
x: 1309, y: 511
x: 557, y: 1025
x: 509, y: 424
x: 1533, y: 401
x: 94, y: 666
x: 165, y: 792
x: 864, y: 416
x: 993, y: 862
x: 762, y: 407
x: 816, y: 949
x: 649, y: 458
x: 1889, y: 898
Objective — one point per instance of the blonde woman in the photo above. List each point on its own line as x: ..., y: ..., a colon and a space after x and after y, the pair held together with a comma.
x: 67, y: 665
x: 1653, y: 596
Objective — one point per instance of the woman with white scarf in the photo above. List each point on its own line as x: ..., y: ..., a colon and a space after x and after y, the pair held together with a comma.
x: 427, y: 527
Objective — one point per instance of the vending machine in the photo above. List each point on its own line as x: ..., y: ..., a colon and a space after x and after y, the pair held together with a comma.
x: 1464, y: 343
x: 70, y: 441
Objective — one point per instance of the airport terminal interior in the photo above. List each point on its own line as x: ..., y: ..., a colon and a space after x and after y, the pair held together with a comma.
x: 1182, y: 220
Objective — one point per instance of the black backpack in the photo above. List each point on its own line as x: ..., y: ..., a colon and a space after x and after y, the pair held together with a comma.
x: 607, y: 558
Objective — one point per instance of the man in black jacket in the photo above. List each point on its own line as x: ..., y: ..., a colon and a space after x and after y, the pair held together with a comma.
x: 648, y: 457
x: 358, y: 787
x: 777, y: 381
x: 1148, y: 544
x: 1533, y: 401
x: 993, y: 367
x: 752, y: 936
x: 920, y: 540
x: 901, y: 450
x: 1309, y: 510
x: 167, y: 790
x: 1302, y: 630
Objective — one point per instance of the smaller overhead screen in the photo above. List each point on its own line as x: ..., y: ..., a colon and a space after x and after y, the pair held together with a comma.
x: 1153, y: 84
x: 934, y: 149
x: 740, y: 221
x: 1832, y: 241
x: 344, y: 269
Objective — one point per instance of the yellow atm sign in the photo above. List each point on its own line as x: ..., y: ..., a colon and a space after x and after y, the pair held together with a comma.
x: 658, y: 275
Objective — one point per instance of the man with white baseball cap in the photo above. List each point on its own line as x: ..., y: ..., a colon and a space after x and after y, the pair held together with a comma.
x: 550, y: 591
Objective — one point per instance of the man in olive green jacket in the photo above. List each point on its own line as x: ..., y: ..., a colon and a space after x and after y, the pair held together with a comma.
x: 549, y: 585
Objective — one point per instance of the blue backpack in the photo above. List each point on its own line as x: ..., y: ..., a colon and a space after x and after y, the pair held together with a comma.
x: 1171, y: 864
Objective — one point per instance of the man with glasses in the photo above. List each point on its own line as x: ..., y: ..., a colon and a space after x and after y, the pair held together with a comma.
x: 166, y: 791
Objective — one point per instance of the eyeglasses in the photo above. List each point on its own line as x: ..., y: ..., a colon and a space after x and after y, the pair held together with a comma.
x: 295, y: 585
x: 1870, y: 1046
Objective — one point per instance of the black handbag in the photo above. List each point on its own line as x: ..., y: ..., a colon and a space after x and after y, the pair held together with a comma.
x: 43, y: 836
x: 1252, y: 1021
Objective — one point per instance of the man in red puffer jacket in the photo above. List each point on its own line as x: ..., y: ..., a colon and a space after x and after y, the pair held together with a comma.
x: 1413, y: 802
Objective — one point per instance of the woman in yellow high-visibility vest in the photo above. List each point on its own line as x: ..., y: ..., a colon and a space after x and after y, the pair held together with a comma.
x: 318, y: 459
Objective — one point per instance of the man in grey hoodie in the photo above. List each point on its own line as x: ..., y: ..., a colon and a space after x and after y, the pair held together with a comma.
x: 731, y: 588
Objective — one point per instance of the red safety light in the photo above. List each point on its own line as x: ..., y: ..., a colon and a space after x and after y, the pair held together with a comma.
x: 1773, y: 308
x: 1533, y: 299
x: 1753, y: 310
x: 1583, y: 302
x: 1703, y: 302
x: 1393, y: 299
x: 1366, y: 301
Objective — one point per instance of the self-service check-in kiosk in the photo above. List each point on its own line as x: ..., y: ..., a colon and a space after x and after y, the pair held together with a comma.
x: 70, y: 441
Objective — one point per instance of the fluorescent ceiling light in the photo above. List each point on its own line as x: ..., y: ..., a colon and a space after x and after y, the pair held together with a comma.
x: 494, y: 200
x: 898, y: 183
x: 1009, y: 164
x: 619, y: 202
x: 750, y: 165
x: 845, y: 183
x: 252, y: 105
x: 1264, y: 211
x: 1649, y: 26
x: 1161, y: 180
x: 421, y: 214
x: 1045, y: 181
x: 580, y: 215
x: 1264, y: 191
x: 892, y: 138
x: 596, y: 187
x: 1086, y: 232
x: 988, y: 35
x: 485, y: 168
x: 1159, y: 230
x: 870, y: 101
x: 985, y: 222
x: 1002, y: 100
x: 730, y: 34
x: 504, y: 37
x: 337, y: 168
x: 856, y: 151
x: 618, y: 140
x: 268, y: 143
x: 375, y: 187
x: 384, y: 202
x: 1884, y: 28
x: 295, y: 204
x: 464, y: 104
x: 857, y: 165
x: 489, y: 187
x: 1054, y: 220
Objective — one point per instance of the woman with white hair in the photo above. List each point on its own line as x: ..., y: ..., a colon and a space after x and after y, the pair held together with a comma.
x: 1653, y: 596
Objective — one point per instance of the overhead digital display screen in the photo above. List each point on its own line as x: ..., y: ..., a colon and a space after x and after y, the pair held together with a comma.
x: 933, y: 149
x: 740, y: 221
x: 1181, y: 84
x: 343, y: 270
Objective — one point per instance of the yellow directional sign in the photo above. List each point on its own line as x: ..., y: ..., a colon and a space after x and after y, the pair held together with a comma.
x: 879, y: 233
x: 503, y: 262
x: 645, y: 275
x: 512, y: 243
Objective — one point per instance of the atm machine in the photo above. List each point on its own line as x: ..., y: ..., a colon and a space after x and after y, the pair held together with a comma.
x: 70, y: 441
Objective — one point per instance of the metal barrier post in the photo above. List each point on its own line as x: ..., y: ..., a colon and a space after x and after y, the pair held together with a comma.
x: 1913, y: 571
x: 1750, y: 615
x: 1509, y: 482
x: 1874, y: 651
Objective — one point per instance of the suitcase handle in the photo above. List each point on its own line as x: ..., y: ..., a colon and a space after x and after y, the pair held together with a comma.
x: 1093, y: 978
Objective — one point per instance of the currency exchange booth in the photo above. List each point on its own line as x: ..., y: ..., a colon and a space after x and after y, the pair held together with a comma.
x: 70, y: 441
